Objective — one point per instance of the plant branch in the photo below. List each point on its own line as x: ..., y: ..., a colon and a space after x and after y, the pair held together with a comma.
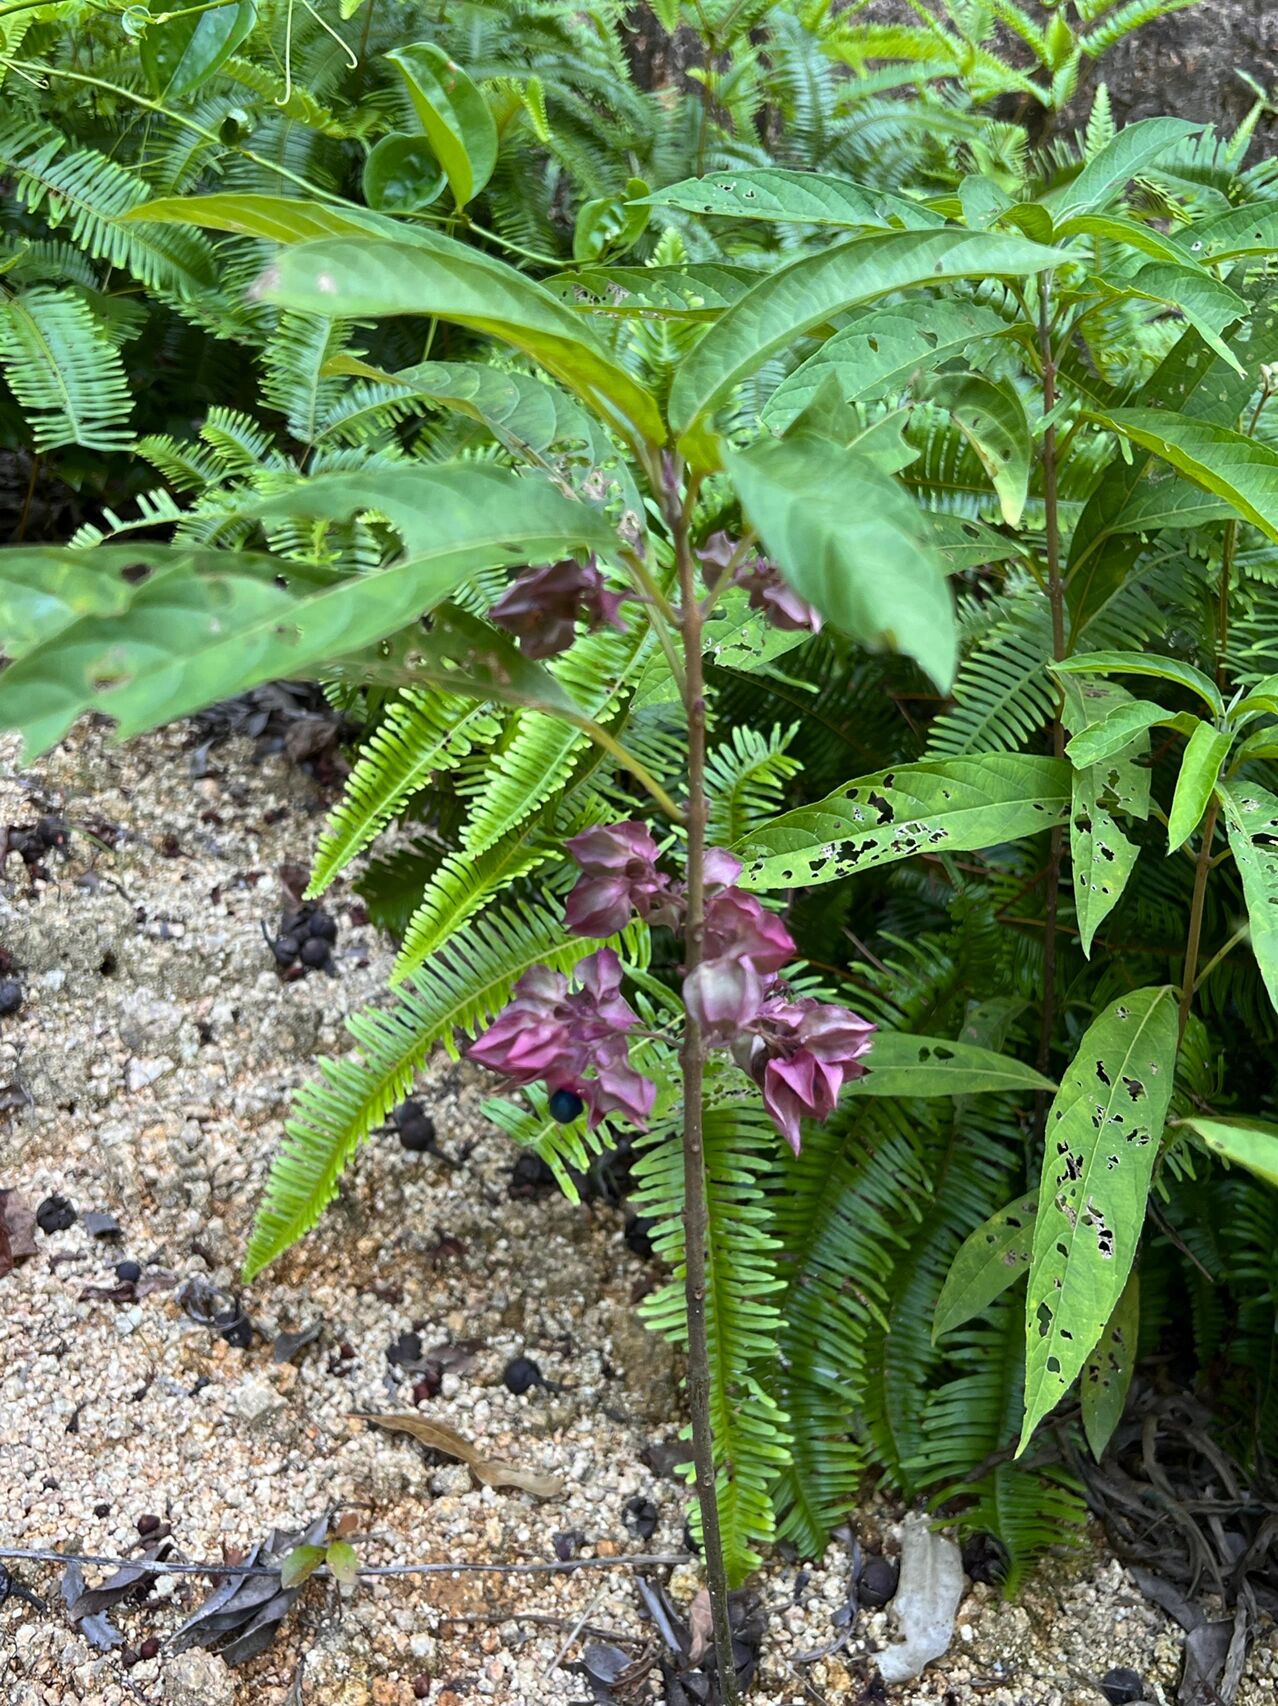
x: 1056, y: 599
x: 434, y: 1568
x: 1196, y: 914
x: 695, y: 1215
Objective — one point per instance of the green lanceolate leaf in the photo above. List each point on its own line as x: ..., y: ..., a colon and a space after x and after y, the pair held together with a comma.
x: 901, y: 1065
x: 453, y: 114
x: 1137, y: 663
x: 1248, y: 1143
x: 1205, y: 302
x: 988, y: 1261
x: 1107, y: 1374
x: 1105, y: 176
x: 1102, y: 1138
x: 881, y: 352
x: 950, y: 805
x: 1122, y: 722
x: 45, y: 589
x: 1200, y: 764
x: 1102, y: 857
x: 1242, y: 232
x: 1220, y: 460
x: 848, y: 538
x: 354, y: 277
x: 182, y: 52
x: 991, y: 416
x: 211, y: 625
x: 792, y: 198
x: 814, y: 288
x: 1115, y: 228
x: 1251, y: 822
x: 274, y: 218
x: 299, y: 1564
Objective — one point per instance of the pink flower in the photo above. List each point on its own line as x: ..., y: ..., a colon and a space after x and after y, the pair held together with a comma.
x: 620, y: 877
x: 801, y: 1054
x: 768, y: 588
x: 547, y: 1033
x: 741, y: 927
x: 542, y: 607
x: 723, y: 996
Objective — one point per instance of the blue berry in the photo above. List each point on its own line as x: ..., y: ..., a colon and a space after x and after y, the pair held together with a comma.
x: 565, y: 1106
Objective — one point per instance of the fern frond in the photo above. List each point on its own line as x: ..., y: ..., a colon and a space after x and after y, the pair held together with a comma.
x: 462, y: 988
x: 745, y: 780
x: 64, y: 370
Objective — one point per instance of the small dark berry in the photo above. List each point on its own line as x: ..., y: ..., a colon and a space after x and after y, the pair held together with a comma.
x: 1122, y: 1687
x: 128, y: 1658
x: 640, y: 1517
x: 529, y: 1175
x: 877, y: 1582
x: 323, y: 926
x: 566, y: 1543
x: 55, y: 1214
x: 421, y: 1686
x: 101, y: 1510
x: 149, y: 1648
x: 345, y: 1351
x: 520, y: 1375
x: 10, y: 998
x: 147, y: 1525
x: 417, y: 1134
x: 639, y: 1235
x: 285, y: 949
x: 128, y: 1271
x: 315, y: 952
x: 565, y: 1106
x: 428, y: 1386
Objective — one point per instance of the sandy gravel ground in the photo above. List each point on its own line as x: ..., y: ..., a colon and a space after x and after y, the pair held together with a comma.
x: 149, y: 1070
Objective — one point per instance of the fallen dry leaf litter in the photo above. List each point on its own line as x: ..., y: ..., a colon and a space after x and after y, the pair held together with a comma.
x: 145, y: 1077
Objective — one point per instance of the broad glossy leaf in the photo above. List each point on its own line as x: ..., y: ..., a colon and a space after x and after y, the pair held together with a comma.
x: 815, y: 287
x: 1243, y: 231
x: 991, y: 416
x: 951, y: 805
x: 848, y: 537
x: 1260, y: 700
x: 698, y: 291
x: 965, y: 543
x: 1200, y: 764
x: 1101, y: 855
x: 1208, y: 304
x: 881, y: 352
x: 793, y: 198
x: 613, y: 222
x: 275, y: 218
x: 1221, y: 460
x: 988, y: 1261
x: 901, y: 1065
x: 1251, y: 823
x: 1115, y: 228
x: 1108, y: 172
x: 453, y: 114
x: 1101, y: 1142
x: 1166, y: 502
x: 402, y: 175
x: 354, y: 277
x: 45, y: 589
x: 342, y: 1560
x: 184, y: 51
x: 1248, y: 1143
x: 1138, y: 663
x: 1107, y: 1374
x: 299, y: 1564
x: 189, y: 638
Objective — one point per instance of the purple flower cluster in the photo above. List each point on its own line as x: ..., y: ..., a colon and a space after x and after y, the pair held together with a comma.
x: 542, y: 607
x: 799, y: 1052
x: 768, y: 589
x: 547, y: 1033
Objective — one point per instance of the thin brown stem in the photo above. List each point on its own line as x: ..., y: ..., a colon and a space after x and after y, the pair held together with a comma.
x: 1196, y: 914
x: 1056, y: 600
x: 695, y: 1215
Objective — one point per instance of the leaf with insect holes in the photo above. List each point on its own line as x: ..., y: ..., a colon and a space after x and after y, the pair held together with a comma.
x: 1107, y: 1374
x: 953, y: 805
x: 1251, y: 823
x: 1099, y: 1148
x: 901, y: 1065
x: 1139, y: 663
x: 492, y: 1471
x: 793, y: 198
x: 988, y: 1261
x: 1102, y: 857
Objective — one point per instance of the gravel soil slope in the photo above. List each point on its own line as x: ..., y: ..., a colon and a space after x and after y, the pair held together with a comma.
x: 147, y: 1075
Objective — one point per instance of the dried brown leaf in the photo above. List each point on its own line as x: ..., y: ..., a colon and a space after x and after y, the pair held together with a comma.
x: 492, y: 1471
x: 700, y: 1628
x: 17, y: 1229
